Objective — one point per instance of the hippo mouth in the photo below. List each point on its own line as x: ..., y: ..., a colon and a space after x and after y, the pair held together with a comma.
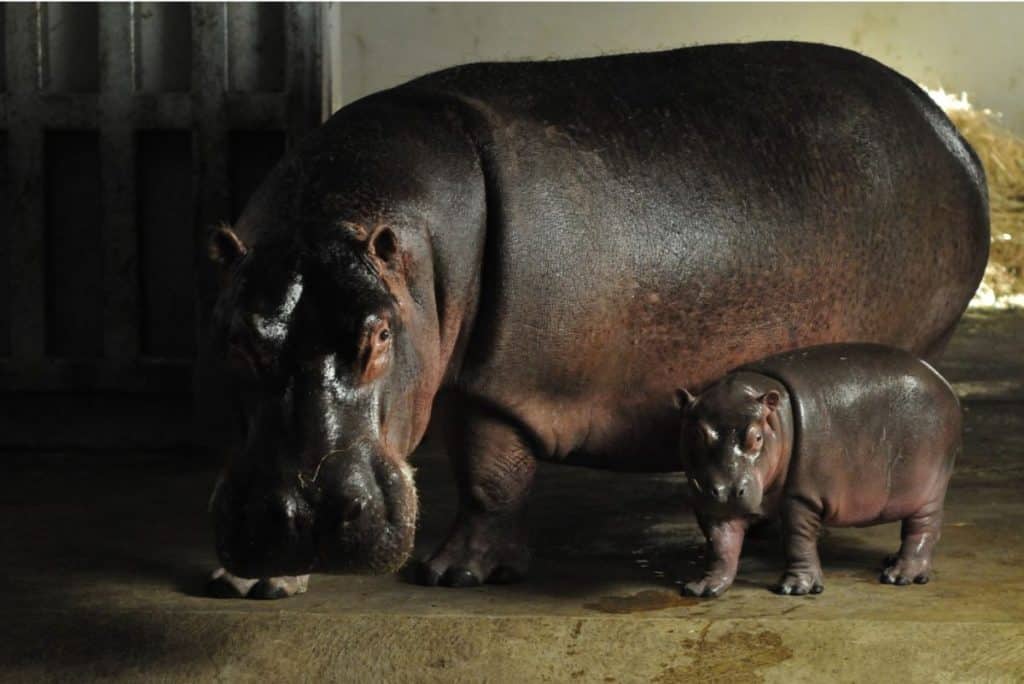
x: 319, y: 531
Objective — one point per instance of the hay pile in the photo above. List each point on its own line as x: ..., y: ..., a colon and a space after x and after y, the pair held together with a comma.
x: 1002, y: 154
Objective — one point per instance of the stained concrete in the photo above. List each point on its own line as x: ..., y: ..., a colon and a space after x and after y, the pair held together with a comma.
x: 104, y: 556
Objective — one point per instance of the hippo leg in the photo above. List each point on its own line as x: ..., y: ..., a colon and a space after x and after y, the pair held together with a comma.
x: 222, y: 584
x: 913, y: 563
x: 800, y: 526
x: 494, y: 467
x: 725, y: 541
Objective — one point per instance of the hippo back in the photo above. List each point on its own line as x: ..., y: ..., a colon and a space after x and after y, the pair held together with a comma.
x: 654, y: 220
x: 858, y: 408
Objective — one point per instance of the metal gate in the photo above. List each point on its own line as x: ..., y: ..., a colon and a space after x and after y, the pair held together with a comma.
x: 126, y: 129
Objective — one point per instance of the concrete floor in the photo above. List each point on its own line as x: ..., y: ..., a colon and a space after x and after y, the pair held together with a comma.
x: 105, y: 556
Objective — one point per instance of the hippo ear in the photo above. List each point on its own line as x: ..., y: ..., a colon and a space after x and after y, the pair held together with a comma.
x: 770, y: 400
x: 684, y: 400
x: 226, y: 248
x: 383, y: 244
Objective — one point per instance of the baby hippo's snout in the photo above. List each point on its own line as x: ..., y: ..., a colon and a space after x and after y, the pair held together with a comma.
x: 743, y: 493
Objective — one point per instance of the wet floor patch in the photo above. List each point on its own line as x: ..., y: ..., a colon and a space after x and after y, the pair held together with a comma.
x: 649, y: 599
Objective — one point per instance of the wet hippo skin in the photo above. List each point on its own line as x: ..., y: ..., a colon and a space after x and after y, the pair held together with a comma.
x: 530, y: 258
x: 842, y: 434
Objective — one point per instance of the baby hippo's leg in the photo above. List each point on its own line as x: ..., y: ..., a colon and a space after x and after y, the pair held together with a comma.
x: 725, y: 541
x: 920, y: 532
x: 800, y: 525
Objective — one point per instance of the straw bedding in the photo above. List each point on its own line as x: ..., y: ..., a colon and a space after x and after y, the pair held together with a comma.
x: 1002, y: 154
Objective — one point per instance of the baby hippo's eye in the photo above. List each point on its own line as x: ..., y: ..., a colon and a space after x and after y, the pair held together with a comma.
x: 754, y: 439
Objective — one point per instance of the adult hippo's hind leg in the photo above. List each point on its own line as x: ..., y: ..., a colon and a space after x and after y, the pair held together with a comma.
x: 222, y: 584
x: 494, y: 467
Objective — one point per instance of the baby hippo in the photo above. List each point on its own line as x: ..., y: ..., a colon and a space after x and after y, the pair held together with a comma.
x: 841, y: 434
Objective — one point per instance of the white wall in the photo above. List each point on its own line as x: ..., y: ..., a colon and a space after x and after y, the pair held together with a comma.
x: 974, y: 47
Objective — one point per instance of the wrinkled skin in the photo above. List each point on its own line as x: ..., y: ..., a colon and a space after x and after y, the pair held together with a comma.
x: 553, y: 248
x: 843, y: 434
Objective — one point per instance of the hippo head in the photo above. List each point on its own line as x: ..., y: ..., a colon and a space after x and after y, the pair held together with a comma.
x: 316, y: 378
x: 730, y: 444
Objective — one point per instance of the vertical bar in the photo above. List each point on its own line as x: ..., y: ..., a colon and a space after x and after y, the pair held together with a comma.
x: 5, y: 254
x: 74, y: 235
x: 210, y: 128
x: 255, y: 46
x: 330, y: 58
x: 72, y: 46
x: 164, y: 190
x: 163, y: 54
x: 121, y: 292
x: 304, y: 88
x: 25, y: 154
x: 3, y: 48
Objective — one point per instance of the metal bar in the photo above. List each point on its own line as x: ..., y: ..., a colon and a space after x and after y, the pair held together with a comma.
x: 302, y: 72
x: 27, y: 247
x: 330, y: 58
x: 209, y: 66
x: 72, y: 111
x: 120, y: 242
x: 95, y: 375
x: 164, y: 110
x: 256, y: 111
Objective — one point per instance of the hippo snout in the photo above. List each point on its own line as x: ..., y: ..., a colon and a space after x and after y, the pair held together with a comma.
x: 349, y: 519
x: 724, y: 493
x: 743, y: 493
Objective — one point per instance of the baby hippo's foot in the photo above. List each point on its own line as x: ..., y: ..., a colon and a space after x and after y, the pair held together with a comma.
x: 478, y: 550
x: 222, y: 584
x: 800, y: 582
x: 708, y: 587
x: 902, y: 571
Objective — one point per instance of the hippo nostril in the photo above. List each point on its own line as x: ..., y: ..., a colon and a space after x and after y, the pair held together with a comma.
x: 353, y: 510
x: 740, y: 492
x: 720, y: 493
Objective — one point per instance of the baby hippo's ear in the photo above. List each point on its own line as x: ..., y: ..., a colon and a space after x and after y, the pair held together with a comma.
x: 684, y: 400
x: 770, y: 400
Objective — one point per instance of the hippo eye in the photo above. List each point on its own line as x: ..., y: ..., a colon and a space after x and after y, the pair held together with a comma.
x: 384, y: 335
x: 754, y: 439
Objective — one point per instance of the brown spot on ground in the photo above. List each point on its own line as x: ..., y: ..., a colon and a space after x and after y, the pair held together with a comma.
x: 736, y: 657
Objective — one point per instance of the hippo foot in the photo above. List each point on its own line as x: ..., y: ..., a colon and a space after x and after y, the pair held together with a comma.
x: 706, y: 588
x: 457, y: 576
x: 800, y: 583
x: 474, y: 555
x: 903, y: 571
x: 222, y: 584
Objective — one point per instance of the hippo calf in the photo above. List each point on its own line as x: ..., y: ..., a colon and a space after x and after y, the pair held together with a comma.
x: 841, y: 434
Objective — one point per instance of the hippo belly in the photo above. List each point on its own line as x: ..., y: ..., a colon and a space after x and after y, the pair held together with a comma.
x: 665, y: 218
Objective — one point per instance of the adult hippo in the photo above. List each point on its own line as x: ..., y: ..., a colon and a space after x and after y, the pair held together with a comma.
x: 549, y: 249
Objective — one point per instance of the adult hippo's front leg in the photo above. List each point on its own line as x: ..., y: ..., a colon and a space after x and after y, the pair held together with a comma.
x: 494, y: 464
x: 222, y: 584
